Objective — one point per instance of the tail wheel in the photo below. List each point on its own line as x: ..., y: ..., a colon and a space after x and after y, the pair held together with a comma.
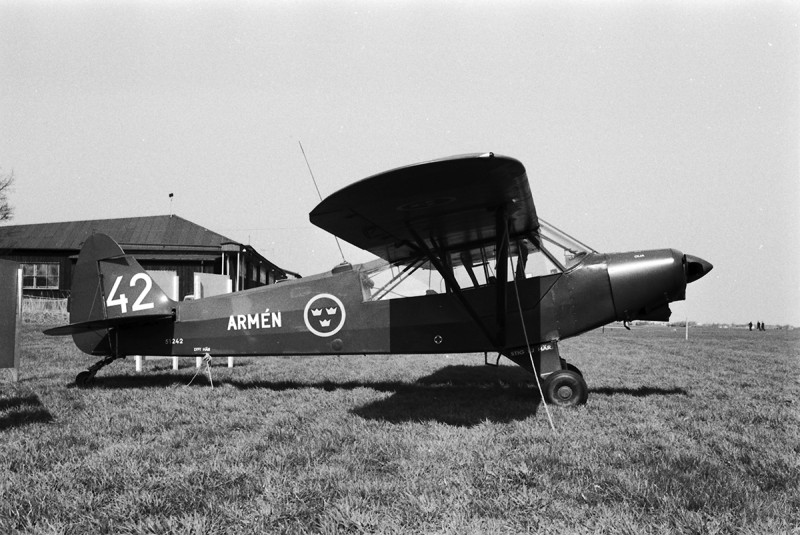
x: 565, y: 388
x: 84, y: 379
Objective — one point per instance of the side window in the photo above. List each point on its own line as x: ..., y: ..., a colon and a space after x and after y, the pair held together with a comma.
x: 539, y: 265
x: 44, y: 276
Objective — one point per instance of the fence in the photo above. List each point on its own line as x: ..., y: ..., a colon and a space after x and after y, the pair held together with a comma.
x: 44, y: 311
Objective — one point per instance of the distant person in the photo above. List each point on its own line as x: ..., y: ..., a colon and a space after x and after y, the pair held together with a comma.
x: 750, y: 325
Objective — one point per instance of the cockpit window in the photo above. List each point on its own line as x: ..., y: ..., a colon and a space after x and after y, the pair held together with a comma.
x: 551, y: 252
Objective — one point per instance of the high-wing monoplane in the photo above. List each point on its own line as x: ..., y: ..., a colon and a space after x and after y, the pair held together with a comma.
x: 508, y: 282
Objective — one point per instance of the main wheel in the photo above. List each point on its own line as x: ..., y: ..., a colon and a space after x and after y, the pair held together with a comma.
x: 565, y: 388
x: 84, y: 379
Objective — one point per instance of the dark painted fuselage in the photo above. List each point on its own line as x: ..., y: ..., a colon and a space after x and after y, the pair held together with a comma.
x: 331, y: 314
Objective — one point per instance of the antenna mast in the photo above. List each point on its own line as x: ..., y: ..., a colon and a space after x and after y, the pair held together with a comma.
x: 319, y: 195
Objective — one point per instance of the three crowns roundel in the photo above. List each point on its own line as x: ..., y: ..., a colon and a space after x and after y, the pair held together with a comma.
x: 324, y: 315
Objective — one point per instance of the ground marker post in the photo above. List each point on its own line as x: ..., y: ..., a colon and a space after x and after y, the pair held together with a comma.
x: 10, y: 316
x: 687, y: 326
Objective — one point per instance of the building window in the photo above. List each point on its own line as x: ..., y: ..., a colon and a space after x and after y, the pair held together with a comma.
x: 40, y: 276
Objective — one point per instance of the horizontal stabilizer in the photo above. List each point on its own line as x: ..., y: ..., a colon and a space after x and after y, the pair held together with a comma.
x: 97, y: 325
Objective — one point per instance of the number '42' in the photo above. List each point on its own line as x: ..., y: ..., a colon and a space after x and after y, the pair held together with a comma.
x: 122, y: 301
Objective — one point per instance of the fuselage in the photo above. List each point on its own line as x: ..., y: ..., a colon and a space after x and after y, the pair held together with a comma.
x: 334, y: 314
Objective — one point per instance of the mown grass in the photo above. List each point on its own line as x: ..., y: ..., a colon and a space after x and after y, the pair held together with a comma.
x: 693, y: 437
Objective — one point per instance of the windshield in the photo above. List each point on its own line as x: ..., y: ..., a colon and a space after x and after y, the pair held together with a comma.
x: 565, y: 249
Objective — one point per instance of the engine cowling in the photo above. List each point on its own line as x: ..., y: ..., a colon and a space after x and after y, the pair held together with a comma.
x: 643, y: 283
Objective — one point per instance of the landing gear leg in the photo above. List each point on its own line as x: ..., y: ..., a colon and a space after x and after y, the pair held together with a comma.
x: 86, y: 377
x: 562, y: 383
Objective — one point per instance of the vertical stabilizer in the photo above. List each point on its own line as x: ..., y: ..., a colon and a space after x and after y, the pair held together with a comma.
x: 108, y: 284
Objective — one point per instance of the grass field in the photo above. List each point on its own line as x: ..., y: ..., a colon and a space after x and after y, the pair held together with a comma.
x: 692, y: 437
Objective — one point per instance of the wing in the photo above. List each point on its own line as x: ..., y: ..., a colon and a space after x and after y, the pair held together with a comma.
x: 450, y: 205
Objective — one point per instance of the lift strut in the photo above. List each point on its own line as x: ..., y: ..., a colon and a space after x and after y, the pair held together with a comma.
x: 498, y: 337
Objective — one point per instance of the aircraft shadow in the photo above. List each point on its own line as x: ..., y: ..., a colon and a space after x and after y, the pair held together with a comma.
x: 461, y: 396
x: 462, y: 406
x: 23, y: 410
x: 160, y: 378
x: 642, y: 391
x: 454, y: 395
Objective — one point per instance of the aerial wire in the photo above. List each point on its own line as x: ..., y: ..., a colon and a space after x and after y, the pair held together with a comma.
x: 339, y: 245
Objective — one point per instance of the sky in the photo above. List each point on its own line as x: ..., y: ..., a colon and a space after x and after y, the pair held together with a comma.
x: 642, y: 125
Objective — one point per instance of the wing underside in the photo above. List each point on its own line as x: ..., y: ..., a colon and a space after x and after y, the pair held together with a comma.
x: 454, y: 208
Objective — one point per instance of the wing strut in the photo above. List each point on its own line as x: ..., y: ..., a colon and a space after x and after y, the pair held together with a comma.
x: 452, y: 284
x: 502, y: 274
x: 466, y: 261
x: 397, y: 279
x: 498, y: 339
x: 447, y: 274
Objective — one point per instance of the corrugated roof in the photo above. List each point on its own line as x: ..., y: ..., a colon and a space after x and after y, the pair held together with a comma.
x: 139, y: 231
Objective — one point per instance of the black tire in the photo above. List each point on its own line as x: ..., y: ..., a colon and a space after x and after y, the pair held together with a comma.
x: 565, y: 388
x: 575, y: 369
x: 84, y: 379
x: 567, y: 366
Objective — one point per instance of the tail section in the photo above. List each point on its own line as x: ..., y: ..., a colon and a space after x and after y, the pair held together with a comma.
x: 110, y: 288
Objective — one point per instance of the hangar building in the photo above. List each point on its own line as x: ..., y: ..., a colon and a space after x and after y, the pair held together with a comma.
x: 48, y: 252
